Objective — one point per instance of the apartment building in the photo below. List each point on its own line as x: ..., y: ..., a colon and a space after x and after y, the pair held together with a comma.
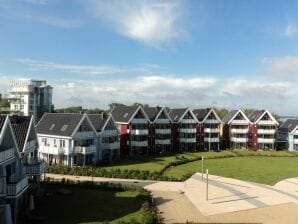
x: 108, y: 137
x: 160, y: 138
x: 30, y: 97
x: 133, y: 125
x: 287, y: 135
x: 67, y: 139
x: 235, y: 126
x: 184, y: 129
x: 13, y: 178
x: 262, y: 130
x: 208, y: 129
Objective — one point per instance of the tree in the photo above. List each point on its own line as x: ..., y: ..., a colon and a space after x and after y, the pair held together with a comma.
x: 221, y: 112
x: 113, y: 105
x: 248, y: 111
x: 137, y: 104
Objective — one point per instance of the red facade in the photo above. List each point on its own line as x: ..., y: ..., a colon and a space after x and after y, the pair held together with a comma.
x: 200, y: 137
x: 253, y: 137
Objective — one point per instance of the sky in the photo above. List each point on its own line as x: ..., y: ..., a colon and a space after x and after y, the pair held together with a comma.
x: 176, y: 53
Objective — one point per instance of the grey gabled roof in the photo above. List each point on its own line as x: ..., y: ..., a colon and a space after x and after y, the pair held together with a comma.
x: 2, y: 121
x: 21, y: 127
x: 58, y: 124
x: 123, y: 114
x: 201, y: 113
x: 152, y: 112
x: 229, y: 116
x: 254, y: 116
x: 177, y: 113
x: 289, y: 125
x: 98, y: 121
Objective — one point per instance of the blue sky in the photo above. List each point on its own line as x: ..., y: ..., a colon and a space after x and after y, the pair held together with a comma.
x: 232, y: 54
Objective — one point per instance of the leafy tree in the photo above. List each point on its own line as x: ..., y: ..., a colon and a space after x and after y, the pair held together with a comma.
x: 248, y: 111
x: 115, y: 104
x: 221, y: 112
x: 137, y: 104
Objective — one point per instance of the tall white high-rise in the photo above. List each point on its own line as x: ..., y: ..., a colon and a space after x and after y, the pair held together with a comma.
x: 30, y: 97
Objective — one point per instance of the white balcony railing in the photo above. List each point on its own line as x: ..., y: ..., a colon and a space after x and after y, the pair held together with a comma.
x: 85, y: 149
x: 211, y: 139
x: 211, y: 130
x: 211, y: 121
x: 6, y: 155
x: 107, y: 133
x: 36, y: 169
x: 14, y: 189
x: 188, y: 130
x: 188, y: 140
x: 53, y: 150
x: 139, y: 121
x: 188, y: 121
x: 295, y: 141
x: 266, y: 131
x: 163, y: 131
x: 239, y: 130
x: 139, y: 143
x: 162, y: 121
x: 266, y: 122
x: 111, y: 146
x: 243, y: 122
x: 139, y: 131
x: 84, y: 135
x: 238, y: 139
x: 266, y: 140
x: 162, y: 141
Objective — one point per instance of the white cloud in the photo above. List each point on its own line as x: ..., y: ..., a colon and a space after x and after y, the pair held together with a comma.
x: 153, y: 22
x: 291, y: 30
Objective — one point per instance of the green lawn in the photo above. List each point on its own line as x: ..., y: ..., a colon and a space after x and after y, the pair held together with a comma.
x: 90, y: 206
x: 267, y: 170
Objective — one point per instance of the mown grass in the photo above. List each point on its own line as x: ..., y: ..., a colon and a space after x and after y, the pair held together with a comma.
x: 260, y: 169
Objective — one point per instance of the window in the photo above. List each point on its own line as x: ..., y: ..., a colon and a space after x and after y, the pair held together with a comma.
x: 52, y: 126
x: 64, y: 127
x: 62, y: 143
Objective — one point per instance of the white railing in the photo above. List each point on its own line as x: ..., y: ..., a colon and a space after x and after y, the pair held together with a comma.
x: 84, y: 135
x: 266, y: 131
x: 211, y: 121
x: 139, y: 143
x: 266, y: 140
x: 107, y: 133
x: 14, y: 189
x: 188, y: 140
x: 238, y: 139
x: 139, y: 131
x: 162, y: 141
x: 30, y: 146
x: 261, y: 122
x: 139, y: 121
x: 163, y: 131
x: 6, y: 155
x: 36, y: 169
x: 239, y: 130
x: 211, y: 130
x: 296, y: 141
x: 53, y: 150
x: 188, y: 130
x: 162, y: 121
x: 188, y: 121
x: 211, y: 139
x: 111, y: 146
x: 85, y: 149
x: 239, y: 122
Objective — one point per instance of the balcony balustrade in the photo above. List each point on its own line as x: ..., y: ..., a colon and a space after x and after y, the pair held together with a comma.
x: 239, y: 139
x: 188, y: 140
x: 85, y: 149
x: 266, y: 131
x: 139, y: 143
x: 266, y: 140
x: 211, y: 139
x: 188, y: 130
x: 111, y: 146
x: 269, y: 122
x: 139, y: 131
x: 84, y: 135
x: 162, y: 141
x: 240, y: 122
x: 188, y: 121
x: 139, y: 121
x: 35, y: 168
x: 163, y: 131
x: 108, y: 133
x: 211, y: 121
x: 239, y: 130
x: 6, y: 155
x: 211, y: 130
x: 295, y: 141
x: 14, y: 189
x: 162, y: 121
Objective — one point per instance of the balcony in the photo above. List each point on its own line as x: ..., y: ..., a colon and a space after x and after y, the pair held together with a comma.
x: 139, y: 131
x: 295, y: 140
x: 211, y: 139
x: 266, y: 122
x: 53, y: 150
x: 163, y: 131
x: 84, y: 135
x: 162, y: 121
x: 211, y: 121
x: 111, y: 146
x: 240, y: 122
x: 139, y: 143
x: 188, y: 140
x: 266, y: 140
x: 239, y: 139
x: 188, y: 121
x: 36, y: 168
x: 239, y: 130
x: 211, y: 130
x: 107, y: 133
x: 16, y: 188
x: 162, y: 141
x: 139, y: 121
x: 188, y: 130
x: 266, y: 131
x: 6, y: 155
x: 85, y: 149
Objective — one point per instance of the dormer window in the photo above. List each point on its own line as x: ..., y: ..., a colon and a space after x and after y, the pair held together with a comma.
x: 125, y: 115
x: 52, y: 126
x: 64, y: 127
